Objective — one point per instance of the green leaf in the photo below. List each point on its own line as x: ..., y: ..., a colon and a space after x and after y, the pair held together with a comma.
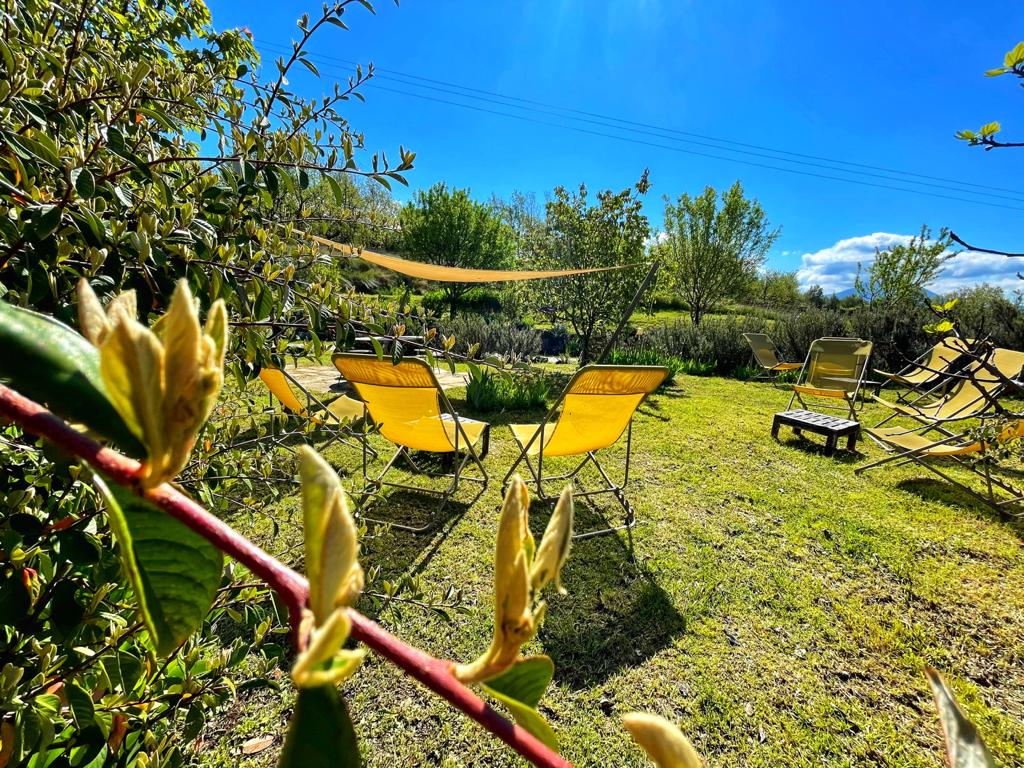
x: 377, y: 348
x: 525, y: 681
x: 84, y: 182
x: 321, y: 733
x: 173, y: 570
x: 310, y: 66
x: 519, y: 688
x: 529, y: 718
x: 963, y: 742
x: 123, y: 671
x: 80, y: 703
x: 47, y: 361
x: 336, y: 190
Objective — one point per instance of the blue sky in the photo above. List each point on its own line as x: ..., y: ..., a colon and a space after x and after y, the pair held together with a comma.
x: 884, y: 84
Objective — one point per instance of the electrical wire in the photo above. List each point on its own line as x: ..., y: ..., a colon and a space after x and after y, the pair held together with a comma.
x: 658, y: 131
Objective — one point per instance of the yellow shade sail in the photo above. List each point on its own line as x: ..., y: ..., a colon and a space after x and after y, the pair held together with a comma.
x: 443, y: 274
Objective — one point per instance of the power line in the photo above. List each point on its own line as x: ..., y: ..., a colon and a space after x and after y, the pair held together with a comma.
x: 701, y: 154
x: 420, y: 82
x: 711, y: 156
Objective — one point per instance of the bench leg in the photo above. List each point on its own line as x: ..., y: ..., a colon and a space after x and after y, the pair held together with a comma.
x: 851, y: 441
x: 830, y: 445
x: 775, y: 429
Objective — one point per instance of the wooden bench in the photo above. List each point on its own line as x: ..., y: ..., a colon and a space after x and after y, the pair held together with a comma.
x: 832, y: 427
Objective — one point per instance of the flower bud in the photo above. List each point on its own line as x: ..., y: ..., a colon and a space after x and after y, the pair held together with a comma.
x: 662, y: 741
x: 554, y: 545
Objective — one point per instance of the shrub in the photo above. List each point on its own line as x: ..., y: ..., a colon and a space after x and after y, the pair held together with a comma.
x: 985, y: 312
x: 696, y: 368
x: 794, y: 333
x: 479, y: 301
x: 648, y: 356
x: 489, y: 391
x: 717, y: 341
x: 495, y: 336
x: 554, y: 341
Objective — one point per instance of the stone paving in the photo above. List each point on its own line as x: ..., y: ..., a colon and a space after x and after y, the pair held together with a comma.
x: 325, y: 378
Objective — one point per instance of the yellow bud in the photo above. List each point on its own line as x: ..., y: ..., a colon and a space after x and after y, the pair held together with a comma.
x: 92, y: 320
x: 131, y: 363
x: 554, y: 545
x: 514, y: 621
x: 662, y: 741
x: 332, y: 546
x: 163, y: 380
x: 325, y: 643
x: 96, y: 323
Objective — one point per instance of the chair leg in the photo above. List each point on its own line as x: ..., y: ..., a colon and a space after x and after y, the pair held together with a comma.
x: 373, y: 487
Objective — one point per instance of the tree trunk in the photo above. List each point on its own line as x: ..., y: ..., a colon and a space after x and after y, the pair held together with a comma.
x: 453, y: 300
x: 696, y: 315
x: 585, y: 348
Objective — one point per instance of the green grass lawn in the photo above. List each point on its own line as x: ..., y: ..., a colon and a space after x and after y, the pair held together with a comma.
x: 775, y: 605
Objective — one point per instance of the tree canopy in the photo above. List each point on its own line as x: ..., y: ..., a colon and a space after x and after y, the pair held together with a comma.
x: 712, y: 252
x: 579, y: 234
x: 898, y: 277
x: 448, y: 227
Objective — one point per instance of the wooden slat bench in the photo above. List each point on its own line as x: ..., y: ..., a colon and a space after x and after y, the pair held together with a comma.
x: 832, y: 427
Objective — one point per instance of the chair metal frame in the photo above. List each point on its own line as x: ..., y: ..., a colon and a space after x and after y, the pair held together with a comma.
x: 851, y: 399
x: 934, y: 383
x: 982, y: 365
x: 768, y: 373
x: 919, y: 456
x: 330, y: 422
x: 373, y: 487
x: 610, y: 487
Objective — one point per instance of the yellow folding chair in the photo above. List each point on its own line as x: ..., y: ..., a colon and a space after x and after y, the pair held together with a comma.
x: 592, y: 413
x: 410, y: 410
x: 977, y: 386
x: 834, y: 370
x: 329, y: 417
x: 960, y: 449
x: 932, y: 368
x: 766, y: 355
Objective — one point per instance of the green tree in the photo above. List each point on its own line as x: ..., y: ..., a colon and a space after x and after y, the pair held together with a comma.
x: 345, y: 209
x: 775, y: 288
x: 712, y: 251
x: 897, y: 278
x: 579, y: 235
x: 448, y: 227
x: 815, y: 296
x: 526, y: 218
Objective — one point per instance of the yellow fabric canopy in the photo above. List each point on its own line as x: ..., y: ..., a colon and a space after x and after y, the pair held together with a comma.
x: 443, y: 274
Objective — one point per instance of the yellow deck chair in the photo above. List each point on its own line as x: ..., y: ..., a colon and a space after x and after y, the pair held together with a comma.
x: 766, y: 355
x: 960, y: 449
x: 978, y: 385
x: 592, y: 413
x: 330, y: 417
x: 833, y: 371
x: 932, y: 367
x: 410, y: 410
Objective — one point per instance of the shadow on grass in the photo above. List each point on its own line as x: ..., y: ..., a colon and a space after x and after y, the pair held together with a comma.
x: 807, y: 445
x: 933, y: 489
x: 615, y: 615
x: 391, y: 553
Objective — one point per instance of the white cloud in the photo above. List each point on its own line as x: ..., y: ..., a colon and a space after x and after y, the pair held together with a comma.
x: 834, y: 268
x: 657, y: 239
